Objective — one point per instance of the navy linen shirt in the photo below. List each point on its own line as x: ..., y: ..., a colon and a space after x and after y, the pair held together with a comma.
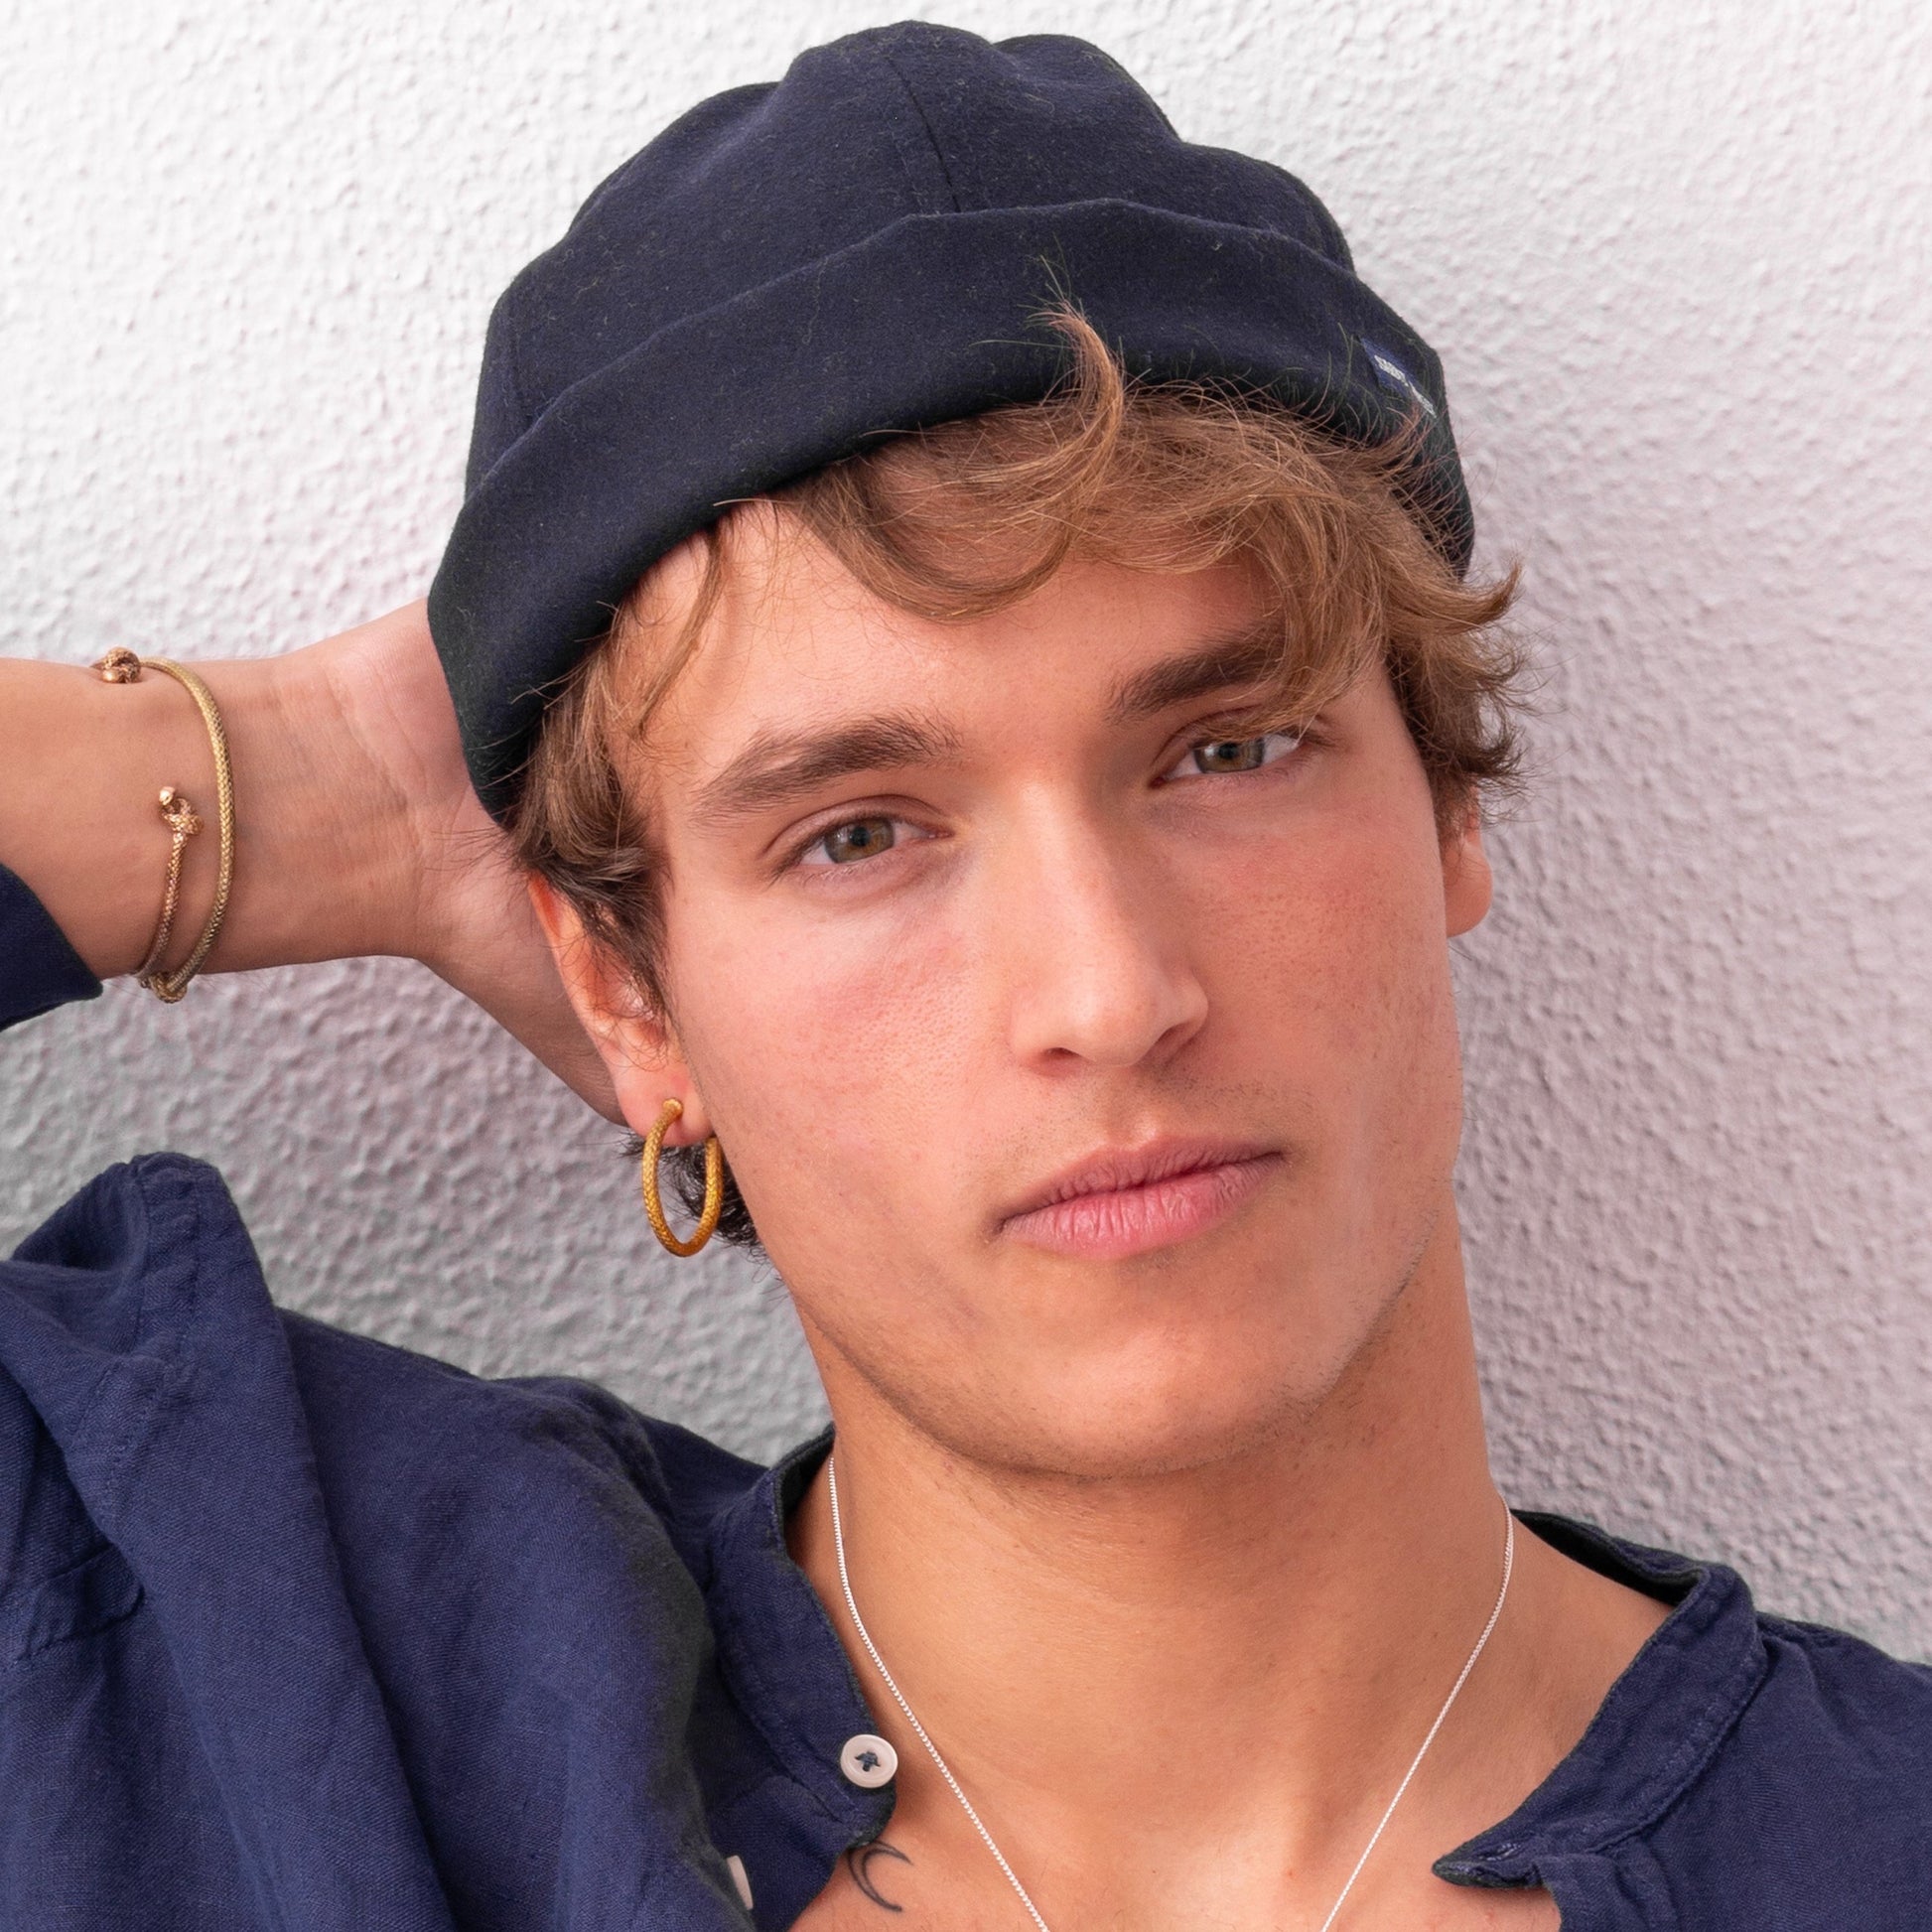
x: 302, y: 1632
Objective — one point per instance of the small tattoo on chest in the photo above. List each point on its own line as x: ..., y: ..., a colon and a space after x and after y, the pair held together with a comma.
x: 858, y: 1861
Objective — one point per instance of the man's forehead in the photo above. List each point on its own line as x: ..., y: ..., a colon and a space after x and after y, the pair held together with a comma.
x: 791, y: 629
x: 775, y: 764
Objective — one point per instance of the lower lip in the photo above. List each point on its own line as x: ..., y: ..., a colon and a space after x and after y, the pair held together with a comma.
x: 1126, y: 1221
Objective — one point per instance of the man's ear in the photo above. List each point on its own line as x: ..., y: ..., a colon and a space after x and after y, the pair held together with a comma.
x: 1468, y: 886
x: 638, y: 1051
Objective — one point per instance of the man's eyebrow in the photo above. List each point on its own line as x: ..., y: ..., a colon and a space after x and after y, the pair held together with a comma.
x: 779, y: 767
x: 1244, y: 659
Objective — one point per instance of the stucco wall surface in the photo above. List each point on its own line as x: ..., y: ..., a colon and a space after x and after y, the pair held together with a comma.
x: 1676, y: 255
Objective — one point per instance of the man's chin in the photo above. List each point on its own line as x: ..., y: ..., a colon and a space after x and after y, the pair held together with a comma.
x: 1125, y: 1432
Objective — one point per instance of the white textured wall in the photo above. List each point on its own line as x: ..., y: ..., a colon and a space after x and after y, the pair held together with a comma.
x: 1676, y: 254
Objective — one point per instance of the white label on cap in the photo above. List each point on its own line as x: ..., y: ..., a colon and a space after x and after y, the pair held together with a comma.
x: 1393, y: 372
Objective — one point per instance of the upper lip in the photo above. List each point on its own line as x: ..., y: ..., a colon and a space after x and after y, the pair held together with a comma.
x: 1112, y: 1169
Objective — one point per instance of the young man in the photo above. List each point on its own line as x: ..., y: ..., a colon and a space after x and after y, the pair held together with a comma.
x: 1020, y: 810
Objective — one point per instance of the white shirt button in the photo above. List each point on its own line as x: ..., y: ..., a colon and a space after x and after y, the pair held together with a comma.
x: 868, y: 1761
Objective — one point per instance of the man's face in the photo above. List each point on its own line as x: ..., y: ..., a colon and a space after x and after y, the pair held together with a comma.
x: 1086, y: 1059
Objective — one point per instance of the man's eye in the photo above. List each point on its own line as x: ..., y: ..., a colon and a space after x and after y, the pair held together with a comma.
x: 859, y: 838
x: 1225, y: 755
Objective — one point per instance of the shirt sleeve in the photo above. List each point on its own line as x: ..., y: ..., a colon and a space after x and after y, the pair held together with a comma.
x: 39, y: 970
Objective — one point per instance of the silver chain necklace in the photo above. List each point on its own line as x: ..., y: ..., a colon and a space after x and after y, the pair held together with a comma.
x: 979, y: 1825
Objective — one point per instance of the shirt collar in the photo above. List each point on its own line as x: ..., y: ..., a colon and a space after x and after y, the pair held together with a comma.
x: 1675, y: 1703
x: 779, y: 1654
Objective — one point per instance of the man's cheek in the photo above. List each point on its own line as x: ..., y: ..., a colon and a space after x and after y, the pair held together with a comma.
x: 1315, y: 953
x: 848, y: 1050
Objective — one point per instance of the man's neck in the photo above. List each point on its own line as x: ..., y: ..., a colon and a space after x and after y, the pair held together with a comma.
x: 1113, y: 1650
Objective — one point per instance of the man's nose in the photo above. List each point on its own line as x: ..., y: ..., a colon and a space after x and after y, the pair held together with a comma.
x: 1099, y: 955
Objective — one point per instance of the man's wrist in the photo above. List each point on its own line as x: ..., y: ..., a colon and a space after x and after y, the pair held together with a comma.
x: 322, y: 865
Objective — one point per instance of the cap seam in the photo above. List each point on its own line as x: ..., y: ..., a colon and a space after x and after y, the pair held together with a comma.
x: 931, y: 134
x: 518, y: 396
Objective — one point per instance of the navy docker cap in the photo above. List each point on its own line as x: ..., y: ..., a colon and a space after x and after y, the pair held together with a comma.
x: 790, y: 271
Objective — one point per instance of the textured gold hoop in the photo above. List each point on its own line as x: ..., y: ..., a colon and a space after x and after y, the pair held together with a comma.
x: 714, y: 1184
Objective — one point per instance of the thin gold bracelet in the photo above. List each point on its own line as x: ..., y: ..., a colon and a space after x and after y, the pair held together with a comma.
x: 123, y: 666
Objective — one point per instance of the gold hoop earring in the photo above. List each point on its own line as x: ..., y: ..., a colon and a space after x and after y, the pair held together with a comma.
x: 714, y: 1185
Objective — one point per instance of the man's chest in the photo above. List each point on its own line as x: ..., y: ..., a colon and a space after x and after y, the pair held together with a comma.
x: 878, y: 1887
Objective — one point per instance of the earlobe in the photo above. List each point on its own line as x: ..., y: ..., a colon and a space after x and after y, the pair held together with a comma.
x: 1469, y: 885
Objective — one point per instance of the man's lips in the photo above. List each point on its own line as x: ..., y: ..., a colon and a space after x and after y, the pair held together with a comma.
x: 1123, y: 1201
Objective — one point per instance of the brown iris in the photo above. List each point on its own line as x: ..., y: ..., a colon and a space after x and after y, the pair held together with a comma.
x: 862, y: 838
x: 1230, y: 754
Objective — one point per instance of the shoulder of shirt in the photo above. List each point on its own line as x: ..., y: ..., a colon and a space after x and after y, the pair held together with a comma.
x: 374, y: 1407
x: 1804, y: 1675
x: 1849, y: 1687
x: 143, y: 1292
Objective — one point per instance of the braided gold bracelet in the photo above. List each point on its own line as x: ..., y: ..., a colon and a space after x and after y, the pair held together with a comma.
x: 123, y: 666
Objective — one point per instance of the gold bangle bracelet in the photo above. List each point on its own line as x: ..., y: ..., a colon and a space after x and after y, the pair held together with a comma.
x: 123, y: 666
